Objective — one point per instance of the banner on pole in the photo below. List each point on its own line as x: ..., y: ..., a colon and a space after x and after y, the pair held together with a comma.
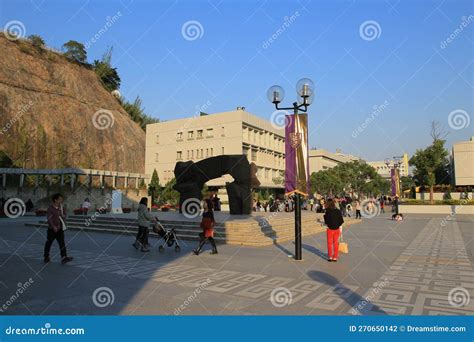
x: 296, y: 154
x: 395, y: 176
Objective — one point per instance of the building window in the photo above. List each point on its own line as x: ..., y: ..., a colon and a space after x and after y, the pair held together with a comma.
x: 190, y: 135
x: 157, y: 138
x: 254, y: 155
x: 209, y: 133
x: 199, y: 134
x: 212, y: 151
x: 157, y: 157
x: 179, y: 136
x: 202, y: 153
x: 222, y: 131
x: 207, y: 152
x: 192, y: 154
x: 222, y: 149
x: 179, y: 155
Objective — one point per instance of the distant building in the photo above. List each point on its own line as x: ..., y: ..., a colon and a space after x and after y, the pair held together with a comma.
x: 384, y: 170
x: 320, y: 159
x: 200, y: 137
x: 463, y: 162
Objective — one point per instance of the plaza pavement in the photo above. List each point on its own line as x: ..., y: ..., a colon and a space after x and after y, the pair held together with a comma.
x: 422, y: 265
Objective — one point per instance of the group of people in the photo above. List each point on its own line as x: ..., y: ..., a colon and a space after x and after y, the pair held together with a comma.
x: 207, y: 224
x: 334, y: 209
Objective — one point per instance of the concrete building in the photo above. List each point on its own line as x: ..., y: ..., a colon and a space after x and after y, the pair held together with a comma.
x: 200, y: 137
x: 384, y: 170
x: 463, y: 162
x: 320, y: 159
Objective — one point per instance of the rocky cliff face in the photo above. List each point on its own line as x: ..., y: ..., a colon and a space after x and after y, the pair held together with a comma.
x: 55, y: 114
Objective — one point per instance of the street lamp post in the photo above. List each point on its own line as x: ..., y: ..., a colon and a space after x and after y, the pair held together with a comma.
x: 396, y: 165
x: 275, y: 94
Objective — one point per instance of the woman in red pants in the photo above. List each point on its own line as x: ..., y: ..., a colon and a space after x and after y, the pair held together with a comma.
x: 334, y: 221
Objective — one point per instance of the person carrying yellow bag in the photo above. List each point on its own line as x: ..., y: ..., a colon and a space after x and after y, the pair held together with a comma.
x: 333, y: 220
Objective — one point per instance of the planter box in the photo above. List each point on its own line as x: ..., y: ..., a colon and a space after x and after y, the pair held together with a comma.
x: 126, y: 210
x: 436, y: 209
x: 41, y: 212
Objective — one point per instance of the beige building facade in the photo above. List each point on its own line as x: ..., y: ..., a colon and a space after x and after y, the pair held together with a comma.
x: 463, y: 162
x: 320, y: 159
x: 384, y: 170
x: 204, y: 136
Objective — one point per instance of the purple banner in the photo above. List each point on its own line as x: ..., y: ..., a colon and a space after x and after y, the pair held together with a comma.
x: 296, y: 154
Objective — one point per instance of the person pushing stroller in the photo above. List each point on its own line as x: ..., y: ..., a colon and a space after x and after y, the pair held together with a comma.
x: 207, y: 225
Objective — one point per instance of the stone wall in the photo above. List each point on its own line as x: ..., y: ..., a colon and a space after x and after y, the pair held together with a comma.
x: 41, y: 197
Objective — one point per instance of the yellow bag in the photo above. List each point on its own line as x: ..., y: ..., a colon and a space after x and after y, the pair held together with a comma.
x: 343, y: 246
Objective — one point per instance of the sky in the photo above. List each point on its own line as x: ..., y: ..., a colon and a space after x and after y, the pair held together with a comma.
x: 383, y: 70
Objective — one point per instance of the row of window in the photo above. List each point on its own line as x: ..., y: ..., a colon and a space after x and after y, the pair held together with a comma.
x: 262, y: 138
x: 194, y: 134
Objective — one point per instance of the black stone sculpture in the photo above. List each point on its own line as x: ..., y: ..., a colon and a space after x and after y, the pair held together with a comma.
x: 191, y: 177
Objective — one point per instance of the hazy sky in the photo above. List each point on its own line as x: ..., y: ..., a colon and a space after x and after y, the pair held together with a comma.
x: 412, y: 59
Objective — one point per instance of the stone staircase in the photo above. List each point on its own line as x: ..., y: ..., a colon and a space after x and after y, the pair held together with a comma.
x: 252, y: 230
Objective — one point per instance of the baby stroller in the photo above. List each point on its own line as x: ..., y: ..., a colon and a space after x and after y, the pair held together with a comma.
x: 168, y: 236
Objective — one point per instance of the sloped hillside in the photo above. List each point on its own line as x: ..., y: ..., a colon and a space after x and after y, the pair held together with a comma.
x: 54, y: 114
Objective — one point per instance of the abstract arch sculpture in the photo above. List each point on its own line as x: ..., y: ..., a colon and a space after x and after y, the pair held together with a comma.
x: 191, y: 177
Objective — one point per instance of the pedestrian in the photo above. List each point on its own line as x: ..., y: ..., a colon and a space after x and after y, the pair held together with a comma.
x: 86, y: 206
x: 56, y: 217
x: 207, y: 225
x: 333, y: 220
x: 382, y: 205
x: 311, y: 203
x: 143, y: 218
x: 358, y: 215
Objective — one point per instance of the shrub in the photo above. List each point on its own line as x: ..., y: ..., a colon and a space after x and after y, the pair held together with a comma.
x: 437, y: 202
x: 75, y: 51
x: 37, y: 42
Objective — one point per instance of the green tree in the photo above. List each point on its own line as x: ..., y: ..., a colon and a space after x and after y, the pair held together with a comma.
x: 137, y: 113
x: 154, y: 188
x: 407, y: 182
x: 75, y: 51
x: 37, y: 42
x: 168, y: 194
x: 107, y: 74
x: 430, y: 160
